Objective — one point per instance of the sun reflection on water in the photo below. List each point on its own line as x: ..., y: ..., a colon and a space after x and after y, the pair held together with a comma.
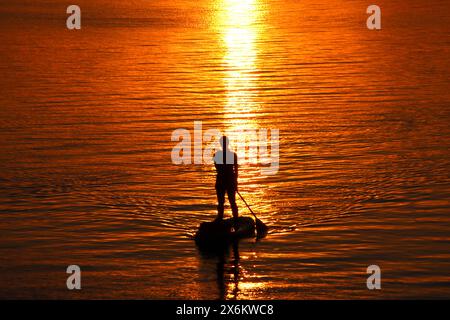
x: 239, y: 30
x: 241, y: 27
x: 240, y: 33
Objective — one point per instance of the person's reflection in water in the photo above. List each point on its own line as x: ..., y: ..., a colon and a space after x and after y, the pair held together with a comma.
x: 221, y: 276
x: 236, y: 270
x: 227, y: 275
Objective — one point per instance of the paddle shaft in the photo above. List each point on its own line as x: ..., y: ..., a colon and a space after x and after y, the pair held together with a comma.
x: 261, y: 228
x: 247, y: 205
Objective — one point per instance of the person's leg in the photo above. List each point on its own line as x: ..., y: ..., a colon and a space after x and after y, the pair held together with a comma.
x: 232, y: 198
x: 220, y: 202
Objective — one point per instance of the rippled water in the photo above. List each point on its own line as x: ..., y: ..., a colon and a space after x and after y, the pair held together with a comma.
x: 86, y: 121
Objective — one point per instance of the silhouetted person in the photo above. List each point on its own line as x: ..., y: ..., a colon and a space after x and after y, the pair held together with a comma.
x: 226, y: 163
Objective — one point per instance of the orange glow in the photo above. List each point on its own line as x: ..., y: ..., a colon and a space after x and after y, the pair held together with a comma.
x: 240, y: 37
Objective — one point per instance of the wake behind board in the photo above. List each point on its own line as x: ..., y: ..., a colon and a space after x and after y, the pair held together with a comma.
x: 220, y: 232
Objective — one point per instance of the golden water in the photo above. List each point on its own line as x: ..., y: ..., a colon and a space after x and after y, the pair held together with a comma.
x: 86, y: 119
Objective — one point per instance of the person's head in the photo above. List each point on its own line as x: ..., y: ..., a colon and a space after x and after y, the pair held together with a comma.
x: 224, y: 142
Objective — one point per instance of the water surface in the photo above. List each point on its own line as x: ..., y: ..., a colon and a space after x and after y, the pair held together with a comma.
x: 86, y: 120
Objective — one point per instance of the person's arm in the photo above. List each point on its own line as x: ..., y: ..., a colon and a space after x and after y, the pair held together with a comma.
x: 215, y: 162
x: 236, y: 170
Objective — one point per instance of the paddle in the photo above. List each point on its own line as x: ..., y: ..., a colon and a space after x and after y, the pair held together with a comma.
x: 261, y: 228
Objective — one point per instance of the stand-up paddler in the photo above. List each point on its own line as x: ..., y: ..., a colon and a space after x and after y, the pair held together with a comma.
x: 226, y: 163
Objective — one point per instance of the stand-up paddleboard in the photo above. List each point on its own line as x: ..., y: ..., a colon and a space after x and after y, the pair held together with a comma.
x: 221, y: 232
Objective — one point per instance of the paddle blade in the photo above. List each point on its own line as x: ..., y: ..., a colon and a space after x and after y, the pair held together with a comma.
x: 261, y: 229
